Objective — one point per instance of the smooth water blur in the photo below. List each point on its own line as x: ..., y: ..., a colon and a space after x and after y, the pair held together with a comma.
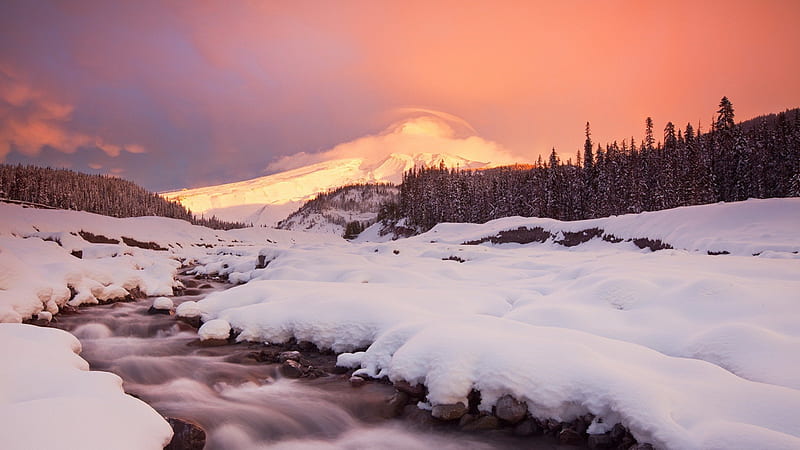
x: 242, y: 403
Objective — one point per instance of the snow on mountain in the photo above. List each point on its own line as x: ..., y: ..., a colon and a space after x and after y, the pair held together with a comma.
x: 380, y: 158
x: 266, y: 200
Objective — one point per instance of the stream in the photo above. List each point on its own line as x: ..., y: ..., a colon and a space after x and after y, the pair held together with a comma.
x: 244, y: 403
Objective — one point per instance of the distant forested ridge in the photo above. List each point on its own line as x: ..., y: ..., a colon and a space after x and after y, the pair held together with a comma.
x: 758, y: 158
x: 100, y: 194
x: 352, y: 207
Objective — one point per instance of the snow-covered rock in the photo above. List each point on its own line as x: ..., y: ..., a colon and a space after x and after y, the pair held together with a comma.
x: 216, y: 329
x: 163, y: 303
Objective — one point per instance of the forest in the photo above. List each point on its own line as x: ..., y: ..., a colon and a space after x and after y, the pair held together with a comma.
x: 100, y: 194
x: 758, y: 158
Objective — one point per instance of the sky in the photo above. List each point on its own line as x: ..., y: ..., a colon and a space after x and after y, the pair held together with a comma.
x: 174, y: 94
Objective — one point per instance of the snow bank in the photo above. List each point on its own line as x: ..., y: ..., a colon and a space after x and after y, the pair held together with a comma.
x: 49, y: 258
x: 50, y: 399
x: 561, y: 373
x: 687, y: 350
x: 740, y: 228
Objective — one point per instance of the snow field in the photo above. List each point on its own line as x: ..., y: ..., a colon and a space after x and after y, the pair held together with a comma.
x: 685, y: 349
x: 50, y: 399
x: 43, y: 256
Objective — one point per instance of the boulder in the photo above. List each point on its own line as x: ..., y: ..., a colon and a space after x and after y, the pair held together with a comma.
x: 187, y: 435
x: 510, y: 409
x: 357, y: 381
x: 289, y: 356
x: 568, y: 436
x: 528, y: 427
x: 481, y: 423
x: 417, y: 390
x: 292, y: 369
x: 453, y: 411
x: 600, y: 442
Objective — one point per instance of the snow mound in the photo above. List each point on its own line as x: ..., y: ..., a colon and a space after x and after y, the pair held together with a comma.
x: 50, y: 399
x: 163, y: 303
x: 214, y: 329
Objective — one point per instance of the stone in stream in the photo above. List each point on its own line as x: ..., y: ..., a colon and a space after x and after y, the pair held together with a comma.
x: 510, y: 409
x: 357, y: 381
x: 420, y: 417
x: 484, y: 422
x: 453, y: 411
x: 398, y: 401
x: 568, y: 436
x: 417, y: 390
x: 161, y: 305
x: 528, y: 427
x: 289, y: 356
x: 292, y: 369
x: 600, y: 442
x: 187, y: 435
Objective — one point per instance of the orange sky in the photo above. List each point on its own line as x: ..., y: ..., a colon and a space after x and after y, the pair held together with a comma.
x: 217, y: 91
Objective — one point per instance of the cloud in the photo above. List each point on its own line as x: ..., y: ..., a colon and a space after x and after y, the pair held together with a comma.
x: 430, y: 132
x: 30, y: 121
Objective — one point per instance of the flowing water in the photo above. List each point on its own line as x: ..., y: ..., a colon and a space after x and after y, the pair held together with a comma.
x: 242, y: 403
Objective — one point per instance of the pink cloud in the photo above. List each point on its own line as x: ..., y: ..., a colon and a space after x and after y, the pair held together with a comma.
x: 30, y: 120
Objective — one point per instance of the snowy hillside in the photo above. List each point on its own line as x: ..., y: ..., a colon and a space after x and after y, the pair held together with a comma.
x: 266, y: 200
x: 332, y: 211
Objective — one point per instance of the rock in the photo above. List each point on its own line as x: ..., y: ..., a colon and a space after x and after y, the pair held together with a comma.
x: 289, y: 356
x: 187, y: 435
x: 194, y: 322
x: 417, y: 390
x: 466, y: 419
x: 153, y: 310
x: 618, y: 432
x: 528, y: 427
x: 510, y: 409
x: 420, y: 417
x: 188, y: 292
x: 218, y: 329
x: 291, y: 369
x: 600, y: 442
x: 206, y: 286
x: 306, y: 346
x: 485, y: 422
x: 44, y: 316
x: 568, y: 436
x: 553, y: 426
x: 163, y: 303
x: 340, y: 370
x: 450, y: 411
x: 398, y: 401
x: 189, y: 283
x: 644, y: 446
x: 357, y: 381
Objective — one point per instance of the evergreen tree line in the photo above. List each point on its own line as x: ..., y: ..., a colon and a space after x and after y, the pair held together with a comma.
x: 758, y: 158
x: 100, y: 194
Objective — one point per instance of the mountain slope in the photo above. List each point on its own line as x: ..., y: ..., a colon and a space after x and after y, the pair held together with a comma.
x: 266, y: 200
x: 332, y: 211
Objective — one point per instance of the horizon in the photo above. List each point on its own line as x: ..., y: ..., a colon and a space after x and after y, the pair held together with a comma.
x: 180, y: 96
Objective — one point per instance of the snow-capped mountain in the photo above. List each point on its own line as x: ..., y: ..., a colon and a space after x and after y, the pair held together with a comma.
x: 266, y: 200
